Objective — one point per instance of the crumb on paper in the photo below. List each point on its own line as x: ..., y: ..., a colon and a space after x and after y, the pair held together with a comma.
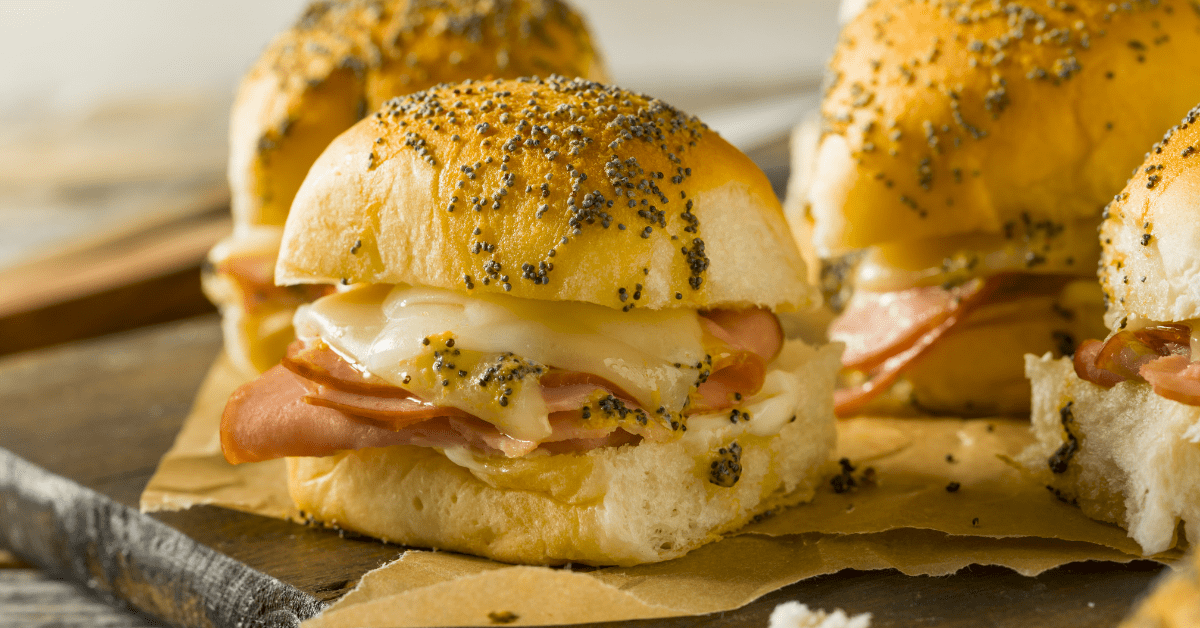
x: 502, y: 617
x: 797, y: 615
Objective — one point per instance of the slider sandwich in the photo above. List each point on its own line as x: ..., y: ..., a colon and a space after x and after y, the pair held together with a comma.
x: 555, y: 337
x: 1118, y: 426
x: 340, y: 61
x: 966, y: 150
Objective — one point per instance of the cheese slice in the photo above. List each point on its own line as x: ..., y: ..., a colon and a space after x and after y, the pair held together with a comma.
x: 1070, y: 249
x: 442, y: 345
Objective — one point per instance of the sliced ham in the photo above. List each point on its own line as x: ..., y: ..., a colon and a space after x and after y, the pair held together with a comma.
x: 316, y: 403
x: 754, y: 330
x: 268, y: 418
x: 878, y: 326
x: 747, y: 341
x: 1085, y: 365
x: 740, y: 373
x: 1175, y: 377
x: 849, y: 400
x: 571, y: 390
x: 1160, y: 355
x: 1125, y: 352
x: 318, y: 363
x: 393, y: 411
x: 885, y: 334
x: 255, y: 277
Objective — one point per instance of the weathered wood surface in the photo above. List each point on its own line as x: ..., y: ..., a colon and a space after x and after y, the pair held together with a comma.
x: 101, y: 412
x: 30, y: 598
x: 125, y: 558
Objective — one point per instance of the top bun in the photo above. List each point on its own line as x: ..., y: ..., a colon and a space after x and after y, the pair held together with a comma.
x: 549, y: 189
x: 1150, y: 267
x: 947, y: 117
x: 343, y: 59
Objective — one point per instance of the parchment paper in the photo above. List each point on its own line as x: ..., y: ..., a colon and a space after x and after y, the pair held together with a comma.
x: 898, y: 515
x: 444, y: 589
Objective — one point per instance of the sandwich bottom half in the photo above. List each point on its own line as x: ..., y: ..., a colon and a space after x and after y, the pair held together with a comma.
x: 1124, y: 455
x: 624, y: 505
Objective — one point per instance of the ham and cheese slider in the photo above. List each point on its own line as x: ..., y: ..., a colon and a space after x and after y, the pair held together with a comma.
x: 1118, y: 426
x: 340, y: 61
x: 557, y: 339
x: 965, y: 152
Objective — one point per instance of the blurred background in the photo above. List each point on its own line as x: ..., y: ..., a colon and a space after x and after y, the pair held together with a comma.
x: 113, y: 119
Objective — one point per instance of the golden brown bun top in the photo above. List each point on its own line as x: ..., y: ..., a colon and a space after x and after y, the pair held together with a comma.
x: 1150, y: 267
x: 550, y: 189
x: 1012, y: 118
x: 343, y: 59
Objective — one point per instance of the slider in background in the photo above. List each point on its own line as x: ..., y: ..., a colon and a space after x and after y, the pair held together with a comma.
x: 963, y: 156
x: 340, y: 61
x: 1118, y: 426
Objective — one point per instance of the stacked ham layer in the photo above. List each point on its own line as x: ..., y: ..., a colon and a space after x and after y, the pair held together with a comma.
x: 379, y: 366
x: 1160, y: 355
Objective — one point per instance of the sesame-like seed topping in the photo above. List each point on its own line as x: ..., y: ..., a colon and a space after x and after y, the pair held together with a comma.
x: 619, y: 131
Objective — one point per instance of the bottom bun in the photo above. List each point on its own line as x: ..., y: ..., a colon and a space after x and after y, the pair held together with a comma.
x: 1136, y: 462
x: 612, y: 506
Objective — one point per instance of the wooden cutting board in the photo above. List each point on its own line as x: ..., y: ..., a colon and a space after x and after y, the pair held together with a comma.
x: 85, y: 424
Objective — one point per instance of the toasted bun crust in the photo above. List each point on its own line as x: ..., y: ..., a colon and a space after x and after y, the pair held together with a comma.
x: 546, y: 189
x: 1137, y: 463
x: 611, y: 506
x: 1150, y: 266
x: 343, y: 59
x: 947, y: 117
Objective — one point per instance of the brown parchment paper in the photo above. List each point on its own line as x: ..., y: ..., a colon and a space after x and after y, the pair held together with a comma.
x: 445, y: 589
x: 899, y: 515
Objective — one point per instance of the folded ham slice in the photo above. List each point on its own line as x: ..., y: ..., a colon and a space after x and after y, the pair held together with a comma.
x: 1160, y: 355
x: 315, y: 403
x: 885, y: 334
x: 273, y: 417
x: 254, y: 274
x: 1175, y: 377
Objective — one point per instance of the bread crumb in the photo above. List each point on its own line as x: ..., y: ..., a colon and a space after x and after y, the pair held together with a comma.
x: 797, y: 615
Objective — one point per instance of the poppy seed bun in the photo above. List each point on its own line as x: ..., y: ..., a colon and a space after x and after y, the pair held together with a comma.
x: 946, y: 118
x: 1135, y: 460
x: 545, y: 189
x: 343, y: 59
x: 609, y: 506
x: 1150, y: 267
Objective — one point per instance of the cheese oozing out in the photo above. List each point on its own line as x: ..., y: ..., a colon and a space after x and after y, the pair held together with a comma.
x: 1035, y: 247
x: 787, y: 391
x: 393, y: 332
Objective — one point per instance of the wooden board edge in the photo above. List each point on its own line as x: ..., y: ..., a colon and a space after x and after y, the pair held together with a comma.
x: 131, y: 560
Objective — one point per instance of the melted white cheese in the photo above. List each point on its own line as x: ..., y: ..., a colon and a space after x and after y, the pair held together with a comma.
x: 381, y: 329
x: 782, y: 397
